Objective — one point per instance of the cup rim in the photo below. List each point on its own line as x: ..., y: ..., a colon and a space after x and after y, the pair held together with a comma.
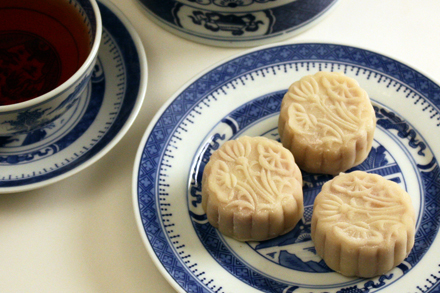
x: 71, y: 80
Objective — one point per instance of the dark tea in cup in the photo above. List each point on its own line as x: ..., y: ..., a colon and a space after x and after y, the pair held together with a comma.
x: 42, y: 44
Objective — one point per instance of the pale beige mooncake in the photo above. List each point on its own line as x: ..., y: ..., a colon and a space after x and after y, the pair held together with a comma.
x: 362, y: 224
x: 252, y: 189
x: 327, y: 122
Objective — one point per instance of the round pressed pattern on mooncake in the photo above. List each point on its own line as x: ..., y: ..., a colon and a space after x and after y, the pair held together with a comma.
x: 252, y: 189
x: 362, y: 224
x: 327, y: 122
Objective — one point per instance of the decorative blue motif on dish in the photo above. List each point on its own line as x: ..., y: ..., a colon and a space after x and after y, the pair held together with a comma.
x: 229, y: 3
x: 159, y: 148
x: 237, y: 25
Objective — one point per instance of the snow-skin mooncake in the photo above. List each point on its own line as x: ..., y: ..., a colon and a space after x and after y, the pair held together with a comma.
x: 362, y: 224
x: 252, y: 189
x: 327, y: 122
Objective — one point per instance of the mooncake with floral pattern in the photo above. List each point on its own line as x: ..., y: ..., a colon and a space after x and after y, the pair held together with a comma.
x: 327, y: 122
x: 252, y: 189
x: 362, y: 224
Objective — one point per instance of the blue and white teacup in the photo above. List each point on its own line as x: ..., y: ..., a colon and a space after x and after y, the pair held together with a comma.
x: 30, y: 62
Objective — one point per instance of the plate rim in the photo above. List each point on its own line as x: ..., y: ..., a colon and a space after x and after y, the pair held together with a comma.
x: 169, y: 101
x: 143, y: 65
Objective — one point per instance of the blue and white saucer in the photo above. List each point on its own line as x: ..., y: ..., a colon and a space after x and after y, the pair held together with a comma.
x: 242, y: 96
x: 93, y: 125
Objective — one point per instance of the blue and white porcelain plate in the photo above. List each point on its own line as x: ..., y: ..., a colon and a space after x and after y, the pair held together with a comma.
x: 242, y: 96
x: 93, y: 124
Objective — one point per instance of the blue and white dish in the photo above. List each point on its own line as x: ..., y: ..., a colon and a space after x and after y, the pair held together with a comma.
x: 237, y: 23
x: 242, y: 96
x: 93, y: 125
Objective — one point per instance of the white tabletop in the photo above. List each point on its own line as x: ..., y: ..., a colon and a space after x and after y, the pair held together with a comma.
x: 80, y: 234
